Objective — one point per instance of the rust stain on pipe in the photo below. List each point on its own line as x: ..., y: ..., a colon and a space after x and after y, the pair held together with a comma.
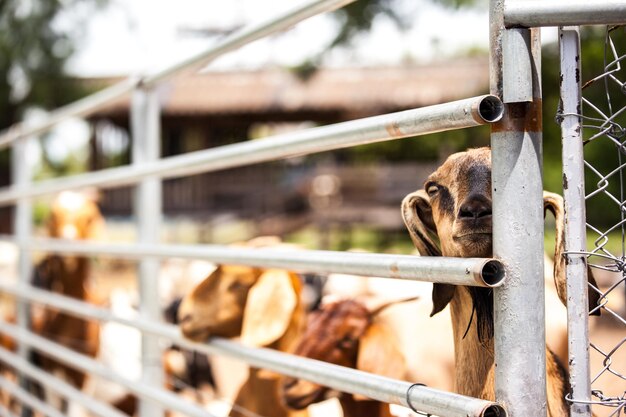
x: 393, y: 129
x: 521, y: 117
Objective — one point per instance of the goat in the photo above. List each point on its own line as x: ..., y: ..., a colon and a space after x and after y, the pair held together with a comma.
x: 455, y: 208
x: 429, y: 363
x: 344, y: 333
x: 243, y: 301
x: 73, y: 216
x: 188, y: 368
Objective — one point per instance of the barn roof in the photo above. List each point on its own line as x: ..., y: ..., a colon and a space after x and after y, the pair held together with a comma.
x: 360, y: 90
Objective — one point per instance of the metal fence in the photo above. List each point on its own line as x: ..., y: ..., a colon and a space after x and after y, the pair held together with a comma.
x: 518, y: 226
x: 599, y: 127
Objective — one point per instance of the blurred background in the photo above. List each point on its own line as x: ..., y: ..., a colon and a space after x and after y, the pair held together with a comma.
x: 369, y: 58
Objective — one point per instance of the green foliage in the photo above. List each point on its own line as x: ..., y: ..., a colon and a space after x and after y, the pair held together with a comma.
x: 601, y: 153
x: 36, y: 39
x: 359, y: 16
x: 33, y: 51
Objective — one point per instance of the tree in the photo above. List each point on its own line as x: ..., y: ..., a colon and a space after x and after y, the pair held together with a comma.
x: 602, y: 154
x: 36, y: 40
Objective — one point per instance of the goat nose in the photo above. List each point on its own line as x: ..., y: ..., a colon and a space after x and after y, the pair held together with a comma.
x: 184, y: 319
x: 475, y: 208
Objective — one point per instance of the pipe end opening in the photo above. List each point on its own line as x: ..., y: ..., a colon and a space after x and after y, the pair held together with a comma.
x: 492, y: 273
x: 494, y: 410
x: 491, y: 109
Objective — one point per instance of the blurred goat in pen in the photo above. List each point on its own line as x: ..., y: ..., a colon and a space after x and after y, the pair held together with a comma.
x: 344, y: 333
x: 73, y: 216
x: 264, y: 308
x: 451, y: 216
x: 364, y: 323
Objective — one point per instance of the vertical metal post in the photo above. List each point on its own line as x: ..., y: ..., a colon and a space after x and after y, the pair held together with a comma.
x: 575, y: 230
x: 22, y: 177
x: 519, y: 308
x: 145, y: 119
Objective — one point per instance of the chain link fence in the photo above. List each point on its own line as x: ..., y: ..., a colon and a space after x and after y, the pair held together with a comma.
x: 604, y: 132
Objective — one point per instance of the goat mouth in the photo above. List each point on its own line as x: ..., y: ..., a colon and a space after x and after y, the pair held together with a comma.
x: 300, y: 402
x: 472, y: 235
x: 195, y: 333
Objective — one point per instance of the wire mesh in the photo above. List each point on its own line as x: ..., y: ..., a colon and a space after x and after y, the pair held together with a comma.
x: 604, y: 132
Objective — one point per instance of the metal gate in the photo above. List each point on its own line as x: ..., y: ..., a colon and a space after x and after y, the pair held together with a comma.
x: 513, y: 109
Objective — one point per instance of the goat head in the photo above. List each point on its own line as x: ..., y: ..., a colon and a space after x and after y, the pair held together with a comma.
x: 241, y: 301
x: 452, y: 216
x: 75, y: 216
x: 342, y: 333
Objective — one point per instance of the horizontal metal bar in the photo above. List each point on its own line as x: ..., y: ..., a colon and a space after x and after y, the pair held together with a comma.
x: 455, y: 115
x: 249, y: 34
x: 57, y: 385
x: 80, y: 108
x: 349, y: 380
x: 419, y: 398
x: 484, y: 272
x: 89, y: 365
x: 4, y: 412
x: 28, y: 398
x: 535, y: 13
x: 97, y: 101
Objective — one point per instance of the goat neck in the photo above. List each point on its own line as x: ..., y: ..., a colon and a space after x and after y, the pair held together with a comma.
x: 473, y: 357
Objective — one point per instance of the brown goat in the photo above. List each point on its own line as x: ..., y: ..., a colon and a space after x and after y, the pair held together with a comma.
x: 261, y: 306
x: 455, y: 209
x: 344, y: 333
x: 73, y: 216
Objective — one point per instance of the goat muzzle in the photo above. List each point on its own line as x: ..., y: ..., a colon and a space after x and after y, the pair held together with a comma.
x: 298, y: 394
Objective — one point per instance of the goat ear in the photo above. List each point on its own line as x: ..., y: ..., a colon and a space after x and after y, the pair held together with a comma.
x: 418, y: 218
x: 554, y: 203
x: 379, y: 354
x: 269, y: 308
x: 417, y: 214
x: 442, y: 294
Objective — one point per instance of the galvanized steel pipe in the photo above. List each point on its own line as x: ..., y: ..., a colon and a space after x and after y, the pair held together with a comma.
x: 5, y: 412
x: 455, y: 115
x: 21, y: 168
x: 517, y: 191
x: 57, y: 385
x: 85, y: 364
x: 575, y: 221
x: 535, y: 13
x: 92, y: 103
x: 420, y: 398
x: 26, y: 398
x: 417, y: 397
x: 483, y: 272
x: 146, y: 133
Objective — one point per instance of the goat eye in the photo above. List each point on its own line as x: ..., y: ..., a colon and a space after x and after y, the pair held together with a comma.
x: 235, y: 285
x: 346, y: 342
x: 432, y: 189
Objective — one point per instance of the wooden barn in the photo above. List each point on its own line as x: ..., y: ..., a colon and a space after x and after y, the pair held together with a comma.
x: 217, y: 108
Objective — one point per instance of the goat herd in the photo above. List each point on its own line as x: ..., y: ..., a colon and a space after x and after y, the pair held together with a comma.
x: 365, y: 323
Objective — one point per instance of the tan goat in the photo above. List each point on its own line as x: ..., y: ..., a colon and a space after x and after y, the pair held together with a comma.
x: 454, y: 209
x: 261, y: 306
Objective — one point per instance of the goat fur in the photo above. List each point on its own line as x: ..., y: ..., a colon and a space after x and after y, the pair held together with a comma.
x: 344, y: 333
x: 73, y: 216
x: 451, y: 216
x: 242, y: 301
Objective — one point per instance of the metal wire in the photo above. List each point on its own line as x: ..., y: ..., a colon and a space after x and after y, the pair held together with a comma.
x: 604, y: 120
